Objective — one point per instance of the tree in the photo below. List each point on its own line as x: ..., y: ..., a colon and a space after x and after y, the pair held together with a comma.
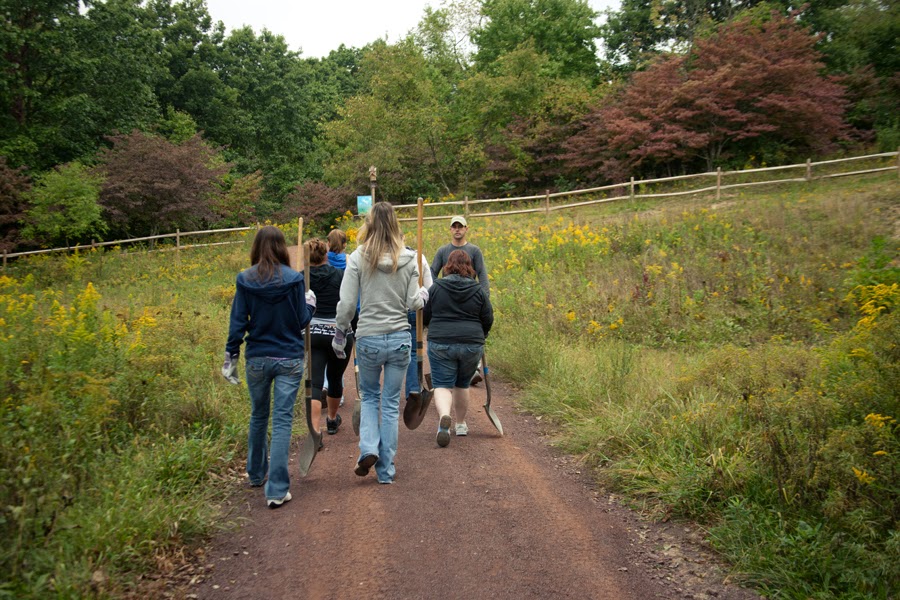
x: 315, y: 200
x: 562, y: 30
x: 642, y: 29
x: 14, y: 186
x: 64, y: 206
x: 237, y: 206
x: 153, y: 185
x: 752, y: 87
x: 401, y: 125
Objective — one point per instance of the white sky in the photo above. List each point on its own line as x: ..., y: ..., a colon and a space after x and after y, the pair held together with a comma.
x: 319, y: 26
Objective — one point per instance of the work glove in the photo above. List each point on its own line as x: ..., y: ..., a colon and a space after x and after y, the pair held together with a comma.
x: 311, y: 298
x: 423, y: 294
x: 339, y: 342
x: 229, y: 368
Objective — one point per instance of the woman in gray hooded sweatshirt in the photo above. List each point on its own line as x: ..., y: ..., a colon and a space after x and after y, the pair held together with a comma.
x: 382, y: 273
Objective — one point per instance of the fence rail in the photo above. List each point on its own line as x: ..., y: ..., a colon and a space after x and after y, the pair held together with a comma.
x: 634, y: 184
x: 630, y: 186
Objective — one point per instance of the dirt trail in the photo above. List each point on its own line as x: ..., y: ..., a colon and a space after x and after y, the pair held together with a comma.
x: 487, y: 517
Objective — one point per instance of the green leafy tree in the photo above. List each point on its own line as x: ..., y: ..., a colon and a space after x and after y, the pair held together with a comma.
x: 64, y: 206
x: 401, y: 125
x: 562, y: 30
x: 237, y: 205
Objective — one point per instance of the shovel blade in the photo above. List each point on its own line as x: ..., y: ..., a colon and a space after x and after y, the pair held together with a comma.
x: 308, y: 452
x: 416, y: 408
x: 357, y: 415
x: 493, y: 417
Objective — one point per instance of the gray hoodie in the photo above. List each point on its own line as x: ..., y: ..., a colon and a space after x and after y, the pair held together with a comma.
x: 385, y: 297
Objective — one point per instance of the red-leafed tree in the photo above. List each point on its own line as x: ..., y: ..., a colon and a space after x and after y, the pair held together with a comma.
x: 153, y: 185
x: 14, y: 187
x: 754, y: 86
x: 315, y: 200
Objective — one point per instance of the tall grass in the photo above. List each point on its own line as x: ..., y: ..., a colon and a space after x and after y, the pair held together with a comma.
x: 736, y: 365
x: 111, y: 419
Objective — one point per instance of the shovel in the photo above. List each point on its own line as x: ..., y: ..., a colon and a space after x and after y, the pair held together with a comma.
x: 487, y: 405
x: 310, y: 447
x: 357, y: 410
x: 417, y: 404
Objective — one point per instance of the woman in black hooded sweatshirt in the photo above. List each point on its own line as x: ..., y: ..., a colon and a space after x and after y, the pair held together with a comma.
x: 325, y: 282
x: 459, y: 317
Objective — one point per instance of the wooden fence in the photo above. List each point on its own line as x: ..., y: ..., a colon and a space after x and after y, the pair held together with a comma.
x: 545, y: 199
x: 627, y: 190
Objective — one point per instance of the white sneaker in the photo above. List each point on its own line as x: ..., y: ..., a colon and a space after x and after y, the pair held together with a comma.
x: 276, y: 502
x: 462, y: 428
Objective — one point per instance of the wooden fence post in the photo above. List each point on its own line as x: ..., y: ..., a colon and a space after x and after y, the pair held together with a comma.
x: 466, y: 207
x: 631, y: 189
x: 178, y: 240
x: 718, y: 183
x: 547, y: 202
x: 808, y: 170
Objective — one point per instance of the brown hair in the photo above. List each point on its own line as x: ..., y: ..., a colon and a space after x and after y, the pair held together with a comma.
x: 380, y: 233
x: 269, y: 250
x: 337, y: 241
x: 318, y: 252
x: 459, y: 263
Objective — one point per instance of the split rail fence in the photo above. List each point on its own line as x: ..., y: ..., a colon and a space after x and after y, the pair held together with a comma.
x: 631, y: 190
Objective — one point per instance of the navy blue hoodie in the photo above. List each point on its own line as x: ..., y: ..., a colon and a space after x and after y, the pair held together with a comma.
x: 269, y: 316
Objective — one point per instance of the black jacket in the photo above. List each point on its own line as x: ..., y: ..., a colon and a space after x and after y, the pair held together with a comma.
x: 325, y: 281
x: 458, y: 311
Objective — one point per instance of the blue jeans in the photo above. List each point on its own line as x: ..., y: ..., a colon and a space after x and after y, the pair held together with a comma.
x: 376, y: 353
x: 452, y: 365
x: 286, y: 375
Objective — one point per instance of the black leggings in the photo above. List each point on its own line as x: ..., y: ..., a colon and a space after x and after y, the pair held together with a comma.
x: 324, y: 359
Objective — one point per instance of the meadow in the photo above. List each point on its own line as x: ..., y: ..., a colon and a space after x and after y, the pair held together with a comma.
x: 734, y: 363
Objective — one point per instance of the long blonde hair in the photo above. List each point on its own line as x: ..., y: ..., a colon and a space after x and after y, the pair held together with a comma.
x: 380, y: 235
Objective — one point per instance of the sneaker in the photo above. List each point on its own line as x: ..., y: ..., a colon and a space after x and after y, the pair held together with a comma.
x: 364, y: 464
x: 333, y: 424
x: 462, y: 428
x: 276, y: 502
x: 476, y: 378
x: 443, y: 434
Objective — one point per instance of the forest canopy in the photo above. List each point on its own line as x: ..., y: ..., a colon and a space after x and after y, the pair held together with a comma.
x: 125, y: 117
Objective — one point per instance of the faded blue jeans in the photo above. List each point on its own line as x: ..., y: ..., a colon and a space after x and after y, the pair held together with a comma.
x: 386, y: 354
x: 262, y: 373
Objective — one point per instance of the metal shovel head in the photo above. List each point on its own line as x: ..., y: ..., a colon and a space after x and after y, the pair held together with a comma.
x: 308, y: 451
x: 416, y: 408
x: 487, y: 405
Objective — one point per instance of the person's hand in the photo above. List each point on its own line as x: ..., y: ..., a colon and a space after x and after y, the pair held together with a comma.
x: 311, y: 298
x: 338, y: 343
x: 423, y: 294
x: 229, y: 368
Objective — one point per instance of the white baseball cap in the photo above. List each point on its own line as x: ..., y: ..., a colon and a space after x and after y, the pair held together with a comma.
x: 460, y: 220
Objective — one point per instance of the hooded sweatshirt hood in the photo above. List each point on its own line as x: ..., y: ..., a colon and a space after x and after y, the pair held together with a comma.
x: 269, y: 316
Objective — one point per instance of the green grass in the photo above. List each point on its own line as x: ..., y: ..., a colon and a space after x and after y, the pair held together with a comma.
x: 735, y: 365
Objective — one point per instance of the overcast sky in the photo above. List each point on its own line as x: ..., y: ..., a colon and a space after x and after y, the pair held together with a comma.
x: 319, y: 26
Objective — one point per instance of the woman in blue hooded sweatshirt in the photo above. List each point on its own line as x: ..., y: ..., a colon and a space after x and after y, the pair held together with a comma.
x: 269, y: 313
